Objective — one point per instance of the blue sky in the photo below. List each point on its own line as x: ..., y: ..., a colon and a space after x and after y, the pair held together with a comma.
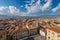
x: 30, y: 7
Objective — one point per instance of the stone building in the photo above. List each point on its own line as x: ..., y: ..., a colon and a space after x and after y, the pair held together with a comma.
x: 53, y: 33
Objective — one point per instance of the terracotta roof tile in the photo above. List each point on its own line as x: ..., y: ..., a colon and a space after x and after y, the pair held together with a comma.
x: 54, y: 28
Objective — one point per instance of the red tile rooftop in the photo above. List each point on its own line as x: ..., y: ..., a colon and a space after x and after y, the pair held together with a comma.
x: 54, y: 28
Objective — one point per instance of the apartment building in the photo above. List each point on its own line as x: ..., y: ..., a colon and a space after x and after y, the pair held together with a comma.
x: 26, y: 30
x: 3, y: 33
x: 11, y: 31
x: 20, y: 33
x: 42, y: 30
x: 32, y: 26
x: 53, y: 33
x: 50, y: 31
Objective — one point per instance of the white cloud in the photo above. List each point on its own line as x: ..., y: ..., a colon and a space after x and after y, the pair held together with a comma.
x: 9, y: 10
x: 14, y: 10
x: 33, y: 7
x: 23, y: 14
x: 56, y: 8
x: 32, y: 1
x: 47, y: 5
x: 21, y: 6
x: 27, y: 1
x: 2, y: 8
x: 45, y: 0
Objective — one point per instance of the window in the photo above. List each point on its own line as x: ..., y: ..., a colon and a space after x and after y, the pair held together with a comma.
x: 0, y: 36
x: 58, y: 35
x: 52, y: 39
x: 48, y: 32
x: 48, y: 37
x: 58, y: 39
x: 53, y: 34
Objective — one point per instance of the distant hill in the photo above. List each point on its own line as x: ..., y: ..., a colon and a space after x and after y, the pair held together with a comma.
x: 42, y: 16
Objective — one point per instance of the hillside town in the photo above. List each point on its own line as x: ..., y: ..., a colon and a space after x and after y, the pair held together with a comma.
x: 29, y: 29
